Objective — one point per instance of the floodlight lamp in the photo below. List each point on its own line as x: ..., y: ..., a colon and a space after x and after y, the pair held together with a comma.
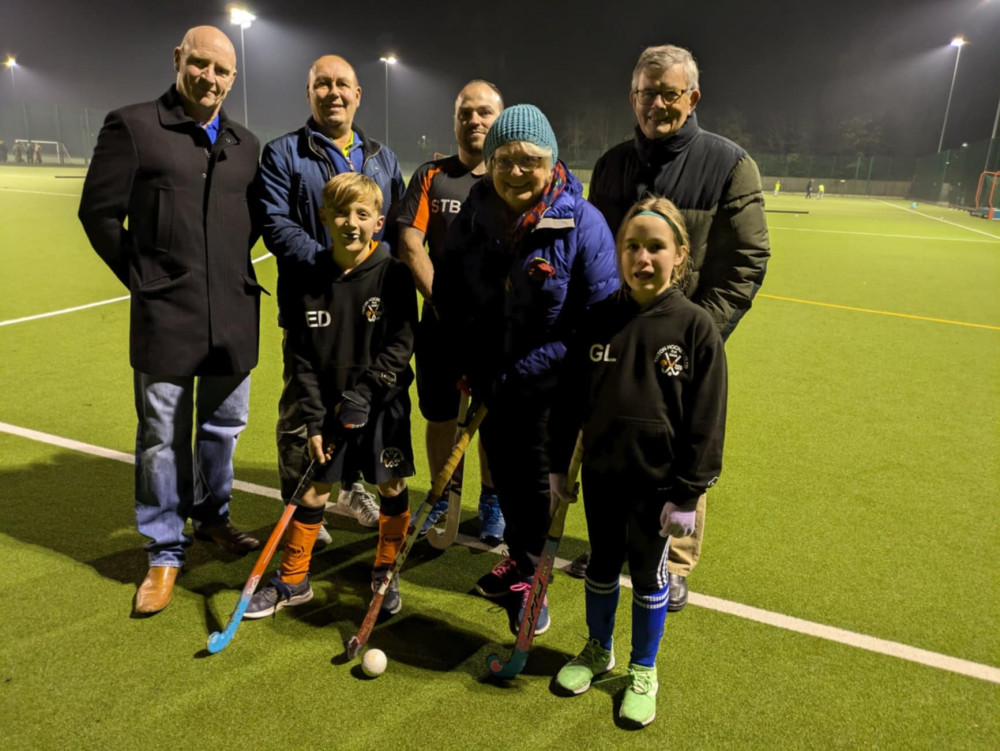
x: 389, y: 59
x: 958, y: 42
x: 240, y: 16
x: 11, y: 61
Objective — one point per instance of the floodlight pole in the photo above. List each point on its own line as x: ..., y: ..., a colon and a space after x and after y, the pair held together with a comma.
x: 387, y: 61
x: 241, y: 17
x: 11, y: 63
x: 243, y: 75
x: 959, y: 43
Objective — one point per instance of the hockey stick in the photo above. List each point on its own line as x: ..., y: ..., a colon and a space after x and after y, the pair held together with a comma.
x: 219, y: 640
x: 437, y: 538
x: 356, y: 642
x: 526, y: 632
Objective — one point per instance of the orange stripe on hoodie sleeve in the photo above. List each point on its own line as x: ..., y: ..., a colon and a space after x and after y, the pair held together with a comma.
x: 423, y: 208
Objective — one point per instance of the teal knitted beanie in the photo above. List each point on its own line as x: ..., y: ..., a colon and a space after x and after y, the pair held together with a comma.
x: 522, y: 122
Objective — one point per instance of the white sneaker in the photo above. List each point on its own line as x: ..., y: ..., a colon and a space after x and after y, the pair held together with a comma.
x: 342, y: 504
x: 363, y: 506
x: 323, y: 538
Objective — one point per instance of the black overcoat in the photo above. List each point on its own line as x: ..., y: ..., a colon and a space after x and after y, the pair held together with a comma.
x: 172, y: 215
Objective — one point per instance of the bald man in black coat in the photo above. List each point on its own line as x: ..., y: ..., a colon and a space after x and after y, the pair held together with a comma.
x: 167, y: 205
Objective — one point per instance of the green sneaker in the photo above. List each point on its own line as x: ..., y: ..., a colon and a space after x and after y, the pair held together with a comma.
x: 576, y: 675
x: 639, y: 704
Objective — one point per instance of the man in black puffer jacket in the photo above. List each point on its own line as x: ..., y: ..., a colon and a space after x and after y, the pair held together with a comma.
x: 716, y: 185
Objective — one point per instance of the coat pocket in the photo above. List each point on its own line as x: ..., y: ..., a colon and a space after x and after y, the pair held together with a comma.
x: 165, y: 283
x: 252, y: 286
x: 164, y: 219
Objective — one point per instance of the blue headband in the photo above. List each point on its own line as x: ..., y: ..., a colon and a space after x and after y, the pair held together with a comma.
x: 668, y: 220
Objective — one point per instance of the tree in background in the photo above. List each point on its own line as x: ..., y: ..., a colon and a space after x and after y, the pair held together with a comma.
x: 730, y: 123
x: 779, y: 133
x: 861, y: 135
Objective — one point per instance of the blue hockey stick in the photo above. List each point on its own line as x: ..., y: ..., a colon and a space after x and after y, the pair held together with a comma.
x: 219, y: 640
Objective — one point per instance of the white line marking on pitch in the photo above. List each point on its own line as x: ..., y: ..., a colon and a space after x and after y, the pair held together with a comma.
x: 881, y: 234
x: 88, y: 305
x: 8, y: 175
x: 767, y: 617
x: 850, y: 638
x: 939, y: 219
x: 41, y: 192
x: 64, y: 310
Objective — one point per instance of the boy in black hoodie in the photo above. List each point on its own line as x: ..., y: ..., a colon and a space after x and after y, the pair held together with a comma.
x: 352, y: 338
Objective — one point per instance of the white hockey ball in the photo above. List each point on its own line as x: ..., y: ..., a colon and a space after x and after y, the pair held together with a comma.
x: 374, y: 662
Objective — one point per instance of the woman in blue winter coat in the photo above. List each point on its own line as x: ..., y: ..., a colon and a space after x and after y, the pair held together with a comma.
x: 524, y: 260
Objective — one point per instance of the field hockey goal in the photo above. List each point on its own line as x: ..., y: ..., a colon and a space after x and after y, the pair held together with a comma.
x: 50, y: 152
x: 988, y: 196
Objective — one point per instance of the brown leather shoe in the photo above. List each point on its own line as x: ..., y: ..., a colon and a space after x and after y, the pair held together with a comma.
x: 156, y: 590
x: 230, y: 539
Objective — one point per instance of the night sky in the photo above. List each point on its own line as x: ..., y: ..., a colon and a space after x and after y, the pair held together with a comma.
x: 779, y: 72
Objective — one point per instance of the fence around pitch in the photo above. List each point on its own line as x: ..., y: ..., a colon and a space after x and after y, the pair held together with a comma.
x: 952, y: 176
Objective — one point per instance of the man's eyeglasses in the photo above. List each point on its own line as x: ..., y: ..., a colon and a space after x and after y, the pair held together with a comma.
x: 669, y: 96
x: 525, y: 163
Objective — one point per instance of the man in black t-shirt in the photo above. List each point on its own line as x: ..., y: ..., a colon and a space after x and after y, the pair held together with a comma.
x: 433, y: 199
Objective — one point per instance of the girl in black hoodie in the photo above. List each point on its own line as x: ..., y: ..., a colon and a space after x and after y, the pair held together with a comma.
x: 646, y: 383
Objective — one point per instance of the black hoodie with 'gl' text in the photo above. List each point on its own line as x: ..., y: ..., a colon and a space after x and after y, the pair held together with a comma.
x: 648, y: 387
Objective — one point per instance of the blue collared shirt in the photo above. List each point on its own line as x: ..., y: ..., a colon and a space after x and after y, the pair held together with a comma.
x: 212, y: 128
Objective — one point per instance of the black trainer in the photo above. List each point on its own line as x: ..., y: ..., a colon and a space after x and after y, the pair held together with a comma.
x: 277, y: 595
x: 497, y: 583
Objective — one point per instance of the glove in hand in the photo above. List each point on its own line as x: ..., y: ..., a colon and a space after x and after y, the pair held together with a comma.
x: 674, y: 522
x: 352, y: 412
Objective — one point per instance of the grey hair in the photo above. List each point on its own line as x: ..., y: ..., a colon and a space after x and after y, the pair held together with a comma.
x: 531, y: 149
x: 664, y: 57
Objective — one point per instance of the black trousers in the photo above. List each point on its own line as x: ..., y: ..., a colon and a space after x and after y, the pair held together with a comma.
x: 515, y: 436
x: 623, y: 523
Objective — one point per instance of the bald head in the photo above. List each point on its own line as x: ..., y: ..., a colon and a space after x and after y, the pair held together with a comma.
x: 209, y: 37
x: 334, y: 95
x: 329, y: 62
x: 476, y: 107
x: 479, y: 89
x: 205, y: 62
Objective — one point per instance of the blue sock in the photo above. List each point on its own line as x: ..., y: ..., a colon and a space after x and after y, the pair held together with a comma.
x: 649, y: 612
x: 602, y: 602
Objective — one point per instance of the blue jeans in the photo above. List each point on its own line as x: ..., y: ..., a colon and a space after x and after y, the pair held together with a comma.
x: 173, y: 481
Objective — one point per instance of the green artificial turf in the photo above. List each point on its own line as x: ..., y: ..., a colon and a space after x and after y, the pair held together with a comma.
x: 859, y: 491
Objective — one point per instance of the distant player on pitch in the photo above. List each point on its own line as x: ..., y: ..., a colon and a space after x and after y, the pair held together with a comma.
x: 646, y: 379
x: 351, y: 339
x: 432, y: 201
